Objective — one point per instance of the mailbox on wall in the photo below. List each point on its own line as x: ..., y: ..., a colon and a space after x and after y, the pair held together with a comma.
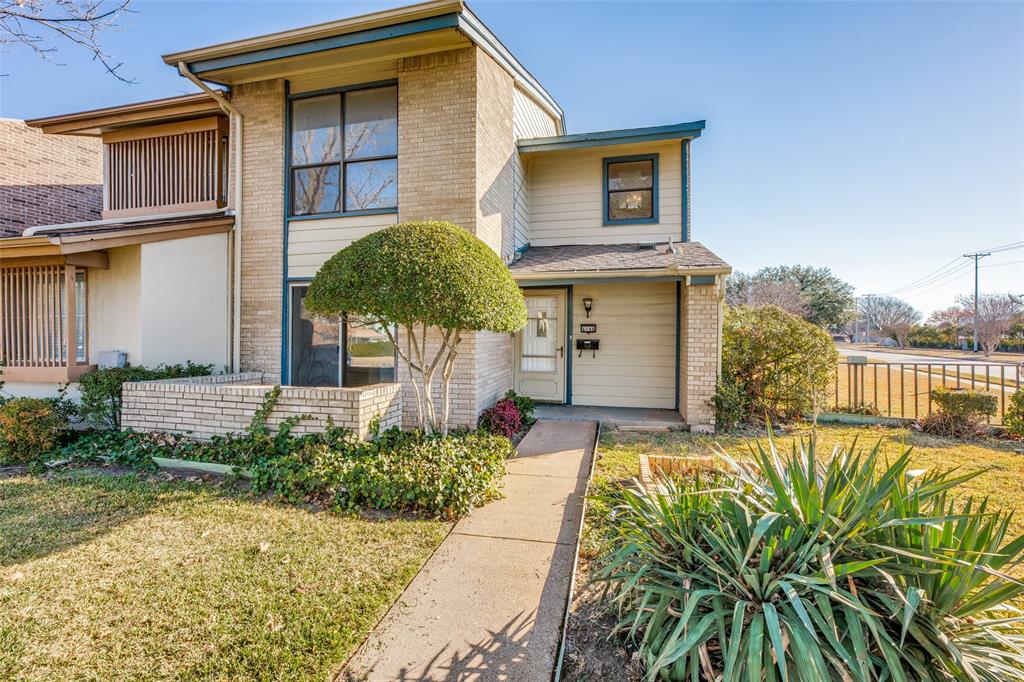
x: 593, y: 345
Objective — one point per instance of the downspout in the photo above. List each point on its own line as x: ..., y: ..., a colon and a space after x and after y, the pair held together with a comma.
x: 236, y: 270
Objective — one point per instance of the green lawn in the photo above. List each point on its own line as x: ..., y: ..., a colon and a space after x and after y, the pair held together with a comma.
x: 137, y: 578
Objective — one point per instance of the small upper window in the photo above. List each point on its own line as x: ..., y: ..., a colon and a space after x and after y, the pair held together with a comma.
x: 631, y: 189
x: 345, y: 152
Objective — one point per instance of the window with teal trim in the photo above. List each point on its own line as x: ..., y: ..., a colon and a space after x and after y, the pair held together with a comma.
x: 344, y: 152
x: 631, y: 189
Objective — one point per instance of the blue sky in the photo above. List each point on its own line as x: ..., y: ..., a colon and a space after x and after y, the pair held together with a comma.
x: 880, y: 139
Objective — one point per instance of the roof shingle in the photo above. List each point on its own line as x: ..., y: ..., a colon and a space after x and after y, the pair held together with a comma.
x: 611, y: 257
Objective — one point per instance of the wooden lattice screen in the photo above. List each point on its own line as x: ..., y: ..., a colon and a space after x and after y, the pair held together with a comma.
x: 33, y: 301
x: 182, y: 169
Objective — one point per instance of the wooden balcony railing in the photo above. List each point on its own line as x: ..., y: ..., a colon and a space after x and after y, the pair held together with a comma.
x: 39, y: 340
x: 165, y: 168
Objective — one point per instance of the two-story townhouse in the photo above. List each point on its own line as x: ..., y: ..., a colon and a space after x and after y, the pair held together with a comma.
x: 220, y: 207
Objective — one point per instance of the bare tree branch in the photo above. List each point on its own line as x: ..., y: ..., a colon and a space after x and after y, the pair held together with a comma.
x: 39, y: 24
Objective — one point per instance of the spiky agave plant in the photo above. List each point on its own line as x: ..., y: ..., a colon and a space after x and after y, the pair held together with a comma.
x: 790, y: 568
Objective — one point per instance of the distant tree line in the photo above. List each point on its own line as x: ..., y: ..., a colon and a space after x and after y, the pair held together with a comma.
x: 820, y: 297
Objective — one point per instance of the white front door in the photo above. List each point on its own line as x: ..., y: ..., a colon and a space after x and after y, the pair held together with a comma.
x: 540, y: 346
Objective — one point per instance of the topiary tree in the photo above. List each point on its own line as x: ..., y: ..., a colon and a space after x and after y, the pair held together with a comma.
x: 422, y: 276
x: 774, y: 364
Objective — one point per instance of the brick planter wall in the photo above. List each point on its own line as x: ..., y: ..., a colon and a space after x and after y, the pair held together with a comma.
x: 225, y: 403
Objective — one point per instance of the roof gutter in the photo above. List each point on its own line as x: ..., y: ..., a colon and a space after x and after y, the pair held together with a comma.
x: 32, y: 231
x: 236, y: 265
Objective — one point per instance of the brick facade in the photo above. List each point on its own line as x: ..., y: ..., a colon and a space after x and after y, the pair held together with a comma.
x: 700, y: 355
x: 456, y: 163
x: 47, y: 179
x: 262, y: 107
x: 221, y: 404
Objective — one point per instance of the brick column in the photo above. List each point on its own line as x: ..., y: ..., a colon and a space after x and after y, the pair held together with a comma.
x: 700, y: 354
x: 262, y: 107
x: 456, y: 151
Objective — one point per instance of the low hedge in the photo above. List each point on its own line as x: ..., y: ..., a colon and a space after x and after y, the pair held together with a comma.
x: 392, y: 470
x: 28, y: 428
x: 101, y: 388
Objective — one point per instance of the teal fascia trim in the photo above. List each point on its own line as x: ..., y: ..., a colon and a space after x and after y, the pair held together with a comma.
x: 685, y: 172
x: 654, y: 190
x: 701, y: 280
x: 312, y: 46
x: 477, y: 31
x: 677, y: 131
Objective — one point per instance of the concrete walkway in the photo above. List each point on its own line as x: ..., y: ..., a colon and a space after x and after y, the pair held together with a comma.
x: 489, y: 604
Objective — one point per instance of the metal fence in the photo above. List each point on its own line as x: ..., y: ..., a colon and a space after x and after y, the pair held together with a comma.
x: 904, y: 389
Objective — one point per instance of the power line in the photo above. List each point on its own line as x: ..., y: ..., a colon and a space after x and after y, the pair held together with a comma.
x: 1009, y: 262
x: 935, y: 280
x: 920, y: 279
x: 941, y: 276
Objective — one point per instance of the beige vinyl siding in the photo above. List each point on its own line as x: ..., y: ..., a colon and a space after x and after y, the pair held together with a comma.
x: 636, y: 365
x: 311, y: 242
x: 567, y: 196
x: 528, y: 120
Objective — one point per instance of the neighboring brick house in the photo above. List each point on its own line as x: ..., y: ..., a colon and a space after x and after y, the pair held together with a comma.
x: 46, y: 179
x: 343, y: 128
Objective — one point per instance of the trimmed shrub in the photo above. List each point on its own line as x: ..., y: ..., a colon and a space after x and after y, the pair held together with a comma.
x: 961, y: 412
x: 431, y: 278
x: 101, y: 388
x: 444, y: 477
x: 525, y: 405
x: 774, y: 365
x: 1014, y: 418
x: 29, y: 427
x: 807, y: 567
x: 502, y: 419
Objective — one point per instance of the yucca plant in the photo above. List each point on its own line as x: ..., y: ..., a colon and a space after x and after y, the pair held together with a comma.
x: 790, y: 568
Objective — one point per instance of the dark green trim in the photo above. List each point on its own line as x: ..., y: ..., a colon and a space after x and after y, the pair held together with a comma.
x: 476, y: 30
x: 312, y: 46
x: 343, y: 214
x: 679, y: 326
x: 568, y: 335
x: 609, y: 137
x: 701, y: 280
x: 653, y: 158
x: 685, y: 173
x: 568, y: 344
x: 287, y: 188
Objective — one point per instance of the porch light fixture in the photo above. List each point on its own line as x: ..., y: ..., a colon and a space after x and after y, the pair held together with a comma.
x: 588, y: 305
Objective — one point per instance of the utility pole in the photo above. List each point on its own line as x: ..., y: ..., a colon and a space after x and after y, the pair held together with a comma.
x: 976, y: 257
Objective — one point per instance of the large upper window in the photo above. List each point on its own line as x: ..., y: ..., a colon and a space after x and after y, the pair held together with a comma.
x: 631, y: 189
x: 345, y: 152
x: 328, y: 351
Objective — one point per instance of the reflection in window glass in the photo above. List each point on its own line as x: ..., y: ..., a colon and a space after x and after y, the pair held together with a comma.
x: 371, y: 123
x: 316, y: 190
x: 314, y: 345
x: 630, y: 189
x: 369, y: 354
x: 371, y: 184
x: 631, y: 175
x: 631, y: 204
x: 316, y: 130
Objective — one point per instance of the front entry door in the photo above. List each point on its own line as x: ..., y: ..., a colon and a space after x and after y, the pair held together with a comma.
x: 540, y: 346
